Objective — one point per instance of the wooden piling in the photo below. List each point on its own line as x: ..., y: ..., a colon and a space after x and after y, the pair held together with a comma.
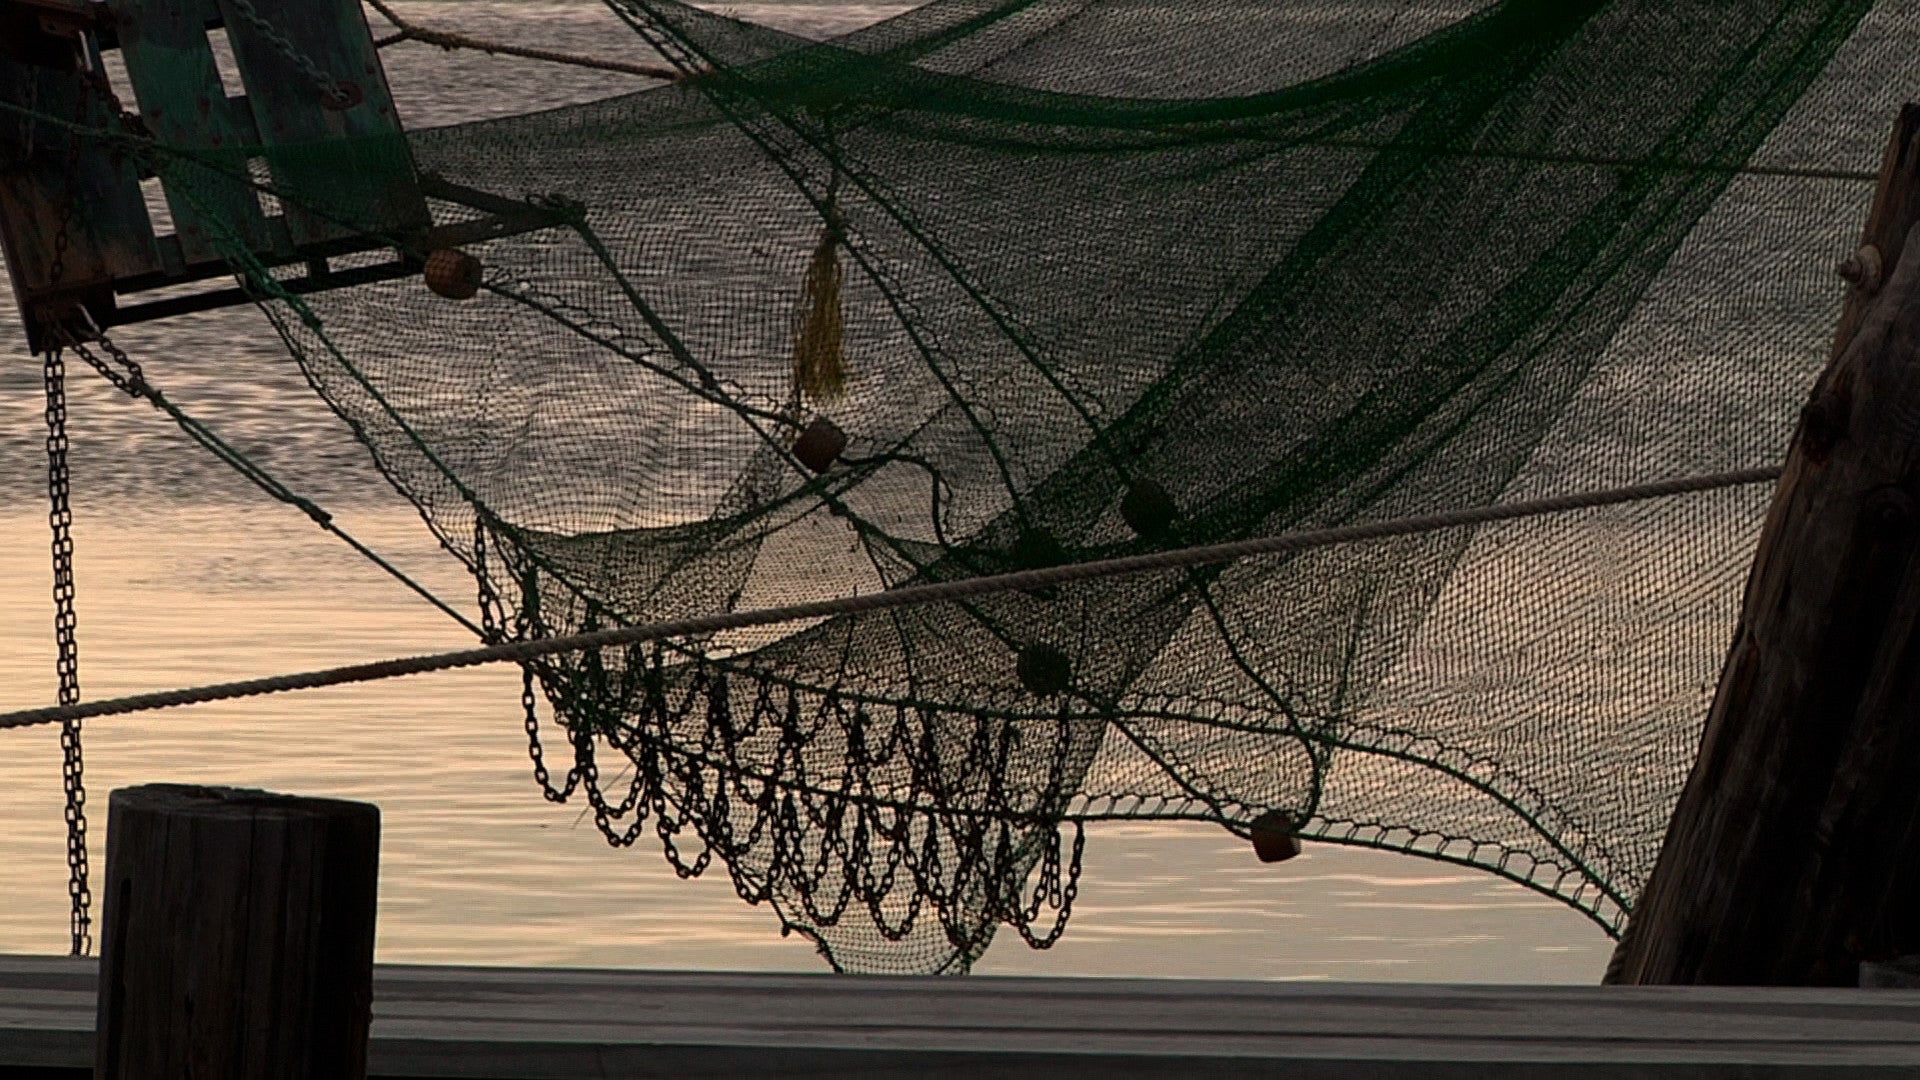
x: 238, y: 936
x: 1794, y: 852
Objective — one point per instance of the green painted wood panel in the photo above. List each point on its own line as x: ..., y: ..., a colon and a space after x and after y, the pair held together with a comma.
x: 342, y: 160
x: 171, y: 64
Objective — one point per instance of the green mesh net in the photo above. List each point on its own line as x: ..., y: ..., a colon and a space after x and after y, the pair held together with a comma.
x: 1075, y: 279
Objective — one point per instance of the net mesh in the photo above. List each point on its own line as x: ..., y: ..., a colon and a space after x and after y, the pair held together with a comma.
x: 1084, y: 278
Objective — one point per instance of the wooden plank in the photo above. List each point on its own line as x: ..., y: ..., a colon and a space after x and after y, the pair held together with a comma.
x: 57, y: 182
x: 213, y: 299
x: 176, y: 82
x: 1794, y: 852
x: 345, y: 169
x: 343, y: 162
x: 494, y: 1023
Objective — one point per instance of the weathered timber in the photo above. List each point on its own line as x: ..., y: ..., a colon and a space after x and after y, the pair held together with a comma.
x: 302, y: 161
x: 46, y: 172
x: 238, y: 938
x: 1794, y: 852
x: 1901, y: 974
x: 334, y: 153
x: 465, y: 1023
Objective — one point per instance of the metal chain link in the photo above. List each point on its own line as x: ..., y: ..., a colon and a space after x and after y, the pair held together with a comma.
x: 67, y: 665
x: 536, y: 751
x: 65, y: 621
x: 62, y: 240
x: 527, y: 627
x: 69, y: 206
x: 330, y: 88
x: 493, y: 631
x: 128, y: 378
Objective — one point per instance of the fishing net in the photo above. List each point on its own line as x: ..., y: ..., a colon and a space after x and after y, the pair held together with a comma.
x: 1004, y: 284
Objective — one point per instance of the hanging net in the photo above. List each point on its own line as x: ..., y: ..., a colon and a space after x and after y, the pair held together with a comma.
x: 1003, y: 284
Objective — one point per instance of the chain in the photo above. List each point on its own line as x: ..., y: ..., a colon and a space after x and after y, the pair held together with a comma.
x: 63, y: 240
x: 493, y: 631
x: 530, y: 703
x: 32, y: 122
x: 69, y: 206
x: 526, y: 625
x: 65, y: 621
x: 129, y: 379
x: 332, y: 89
x: 68, y: 664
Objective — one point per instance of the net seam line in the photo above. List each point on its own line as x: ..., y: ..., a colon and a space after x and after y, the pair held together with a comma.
x: 908, y: 596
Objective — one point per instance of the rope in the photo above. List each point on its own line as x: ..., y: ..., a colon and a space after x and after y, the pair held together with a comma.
x: 132, y: 381
x: 448, y: 40
x: 523, y: 651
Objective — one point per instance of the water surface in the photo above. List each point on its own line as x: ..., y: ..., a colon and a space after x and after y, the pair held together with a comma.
x: 186, y: 576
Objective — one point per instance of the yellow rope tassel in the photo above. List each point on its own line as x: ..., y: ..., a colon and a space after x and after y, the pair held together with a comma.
x: 819, y: 358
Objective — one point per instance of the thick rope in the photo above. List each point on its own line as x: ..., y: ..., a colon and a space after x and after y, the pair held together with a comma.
x: 448, y: 40
x: 909, y: 596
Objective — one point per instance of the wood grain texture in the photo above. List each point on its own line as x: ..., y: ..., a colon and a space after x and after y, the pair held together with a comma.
x: 530, y: 1024
x: 237, y: 936
x: 346, y: 169
x: 177, y: 89
x: 53, y: 183
x: 273, y: 165
x: 1794, y: 851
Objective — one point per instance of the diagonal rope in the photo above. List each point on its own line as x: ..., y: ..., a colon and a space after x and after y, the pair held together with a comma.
x: 446, y: 39
x: 909, y: 596
x: 130, y: 379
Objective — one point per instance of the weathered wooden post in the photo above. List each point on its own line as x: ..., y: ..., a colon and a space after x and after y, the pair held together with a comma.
x: 1794, y: 853
x: 238, y: 936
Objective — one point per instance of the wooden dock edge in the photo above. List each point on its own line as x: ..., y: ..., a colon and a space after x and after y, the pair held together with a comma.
x: 463, y: 1023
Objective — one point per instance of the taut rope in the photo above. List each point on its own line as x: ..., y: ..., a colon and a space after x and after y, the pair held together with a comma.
x: 908, y: 596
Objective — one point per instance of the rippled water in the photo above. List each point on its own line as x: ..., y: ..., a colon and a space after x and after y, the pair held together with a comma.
x: 477, y: 869
x: 186, y: 577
